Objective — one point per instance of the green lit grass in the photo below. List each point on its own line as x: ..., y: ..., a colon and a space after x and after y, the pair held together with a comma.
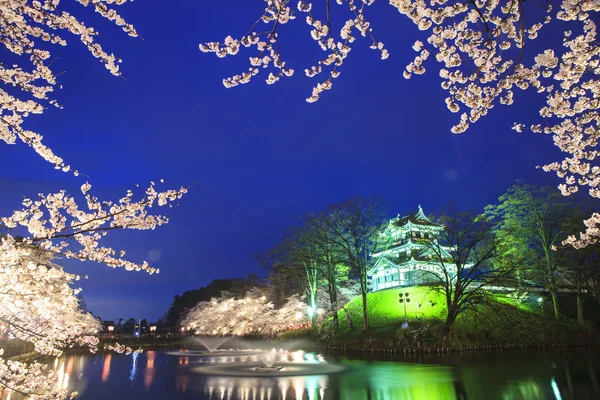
x: 506, y: 322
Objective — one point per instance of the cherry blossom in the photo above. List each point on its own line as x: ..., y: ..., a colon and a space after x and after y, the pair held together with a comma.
x: 51, y: 220
x: 28, y: 86
x: 483, y: 49
x: 38, y: 298
x: 279, y: 12
x: 252, y: 314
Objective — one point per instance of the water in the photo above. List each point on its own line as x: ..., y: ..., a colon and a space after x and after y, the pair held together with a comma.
x: 532, y: 375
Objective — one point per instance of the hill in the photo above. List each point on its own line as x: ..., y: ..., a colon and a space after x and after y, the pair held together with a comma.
x: 505, y: 322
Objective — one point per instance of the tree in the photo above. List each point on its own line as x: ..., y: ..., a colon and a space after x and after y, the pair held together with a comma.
x: 463, y: 254
x: 284, y: 281
x: 251, y: 314
x: 481, y: 45
x: 322, y: 239
x: 357, y: 225
x: 143, y: 326
x: 298, y: 255
x: 581, y: 263
x: 190, y: 298
x: 130, y: 325
x: 38, y: 300
x: 531, y: 221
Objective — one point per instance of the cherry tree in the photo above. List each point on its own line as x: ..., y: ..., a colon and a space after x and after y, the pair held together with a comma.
x: 28, y: 29
x: 37, y: 297
x: 252, y: 314
x: 484, y: 48
x: 38, y: 303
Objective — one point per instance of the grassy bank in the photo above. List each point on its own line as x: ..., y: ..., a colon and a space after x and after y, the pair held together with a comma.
x: 508, y: 323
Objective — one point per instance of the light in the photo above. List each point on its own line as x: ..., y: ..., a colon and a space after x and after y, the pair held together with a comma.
x: 310, y: 311
x: 540, y: 299
x: 152, y: 328
x: 111, y: 328
x: 320, y: 311
x: 298, y: 315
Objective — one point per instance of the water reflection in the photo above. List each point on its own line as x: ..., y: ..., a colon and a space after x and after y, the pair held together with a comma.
x: 498, y: 376
x: 150, y: 371
x: 312, y: 387
x: 134, y: 357
x: 106, y: 367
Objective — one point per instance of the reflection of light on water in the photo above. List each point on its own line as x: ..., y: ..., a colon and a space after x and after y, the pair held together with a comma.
x: 298, y: 384
x: 134, y: 356
x: 322, y: 386
x: 555, y: 389
x: 150, y: 371
x: 186, y: 360
x: 181, y: 383
x: 270, y: 388
x: 283, y: 387
x: 63, y: 376
x: 70, y: 365
x: 106, y: 367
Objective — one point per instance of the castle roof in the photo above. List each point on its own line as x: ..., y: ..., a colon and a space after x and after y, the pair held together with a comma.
x: 416, y: 218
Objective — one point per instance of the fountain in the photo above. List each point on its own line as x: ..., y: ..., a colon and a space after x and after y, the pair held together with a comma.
x: 272, y: 364
x: 212, y: 343
x: 269, y: 359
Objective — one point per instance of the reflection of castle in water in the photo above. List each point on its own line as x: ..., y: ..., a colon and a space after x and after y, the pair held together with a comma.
x: 312, y: 387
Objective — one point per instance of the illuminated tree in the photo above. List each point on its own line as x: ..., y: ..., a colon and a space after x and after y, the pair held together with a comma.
x: 531, y: 222
x: 27, y: 28
x: 252, y: 314
x: 463, y: 256
x: 322, y: 239
x: 38, y: 302
x: 581, y: 265
x: 357, y: 225
x: 484, y: 48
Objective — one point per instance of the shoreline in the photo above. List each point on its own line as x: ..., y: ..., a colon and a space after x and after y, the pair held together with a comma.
x: 381, y: 347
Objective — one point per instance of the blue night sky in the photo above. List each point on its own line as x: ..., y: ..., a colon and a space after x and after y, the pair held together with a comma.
x: 261, y: 155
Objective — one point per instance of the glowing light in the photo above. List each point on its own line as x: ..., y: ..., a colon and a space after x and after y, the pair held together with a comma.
x: 298, y: 315
x: 555, y: 389
x: 298, y: 356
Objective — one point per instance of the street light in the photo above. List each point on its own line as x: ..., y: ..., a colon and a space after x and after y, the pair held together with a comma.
x: 153, y: 330
x: 110, y: 329
x: 404, y: 299
x: 541, y: 303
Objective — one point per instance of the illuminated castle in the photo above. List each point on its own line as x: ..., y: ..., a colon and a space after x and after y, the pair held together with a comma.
x: 411, y: 258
